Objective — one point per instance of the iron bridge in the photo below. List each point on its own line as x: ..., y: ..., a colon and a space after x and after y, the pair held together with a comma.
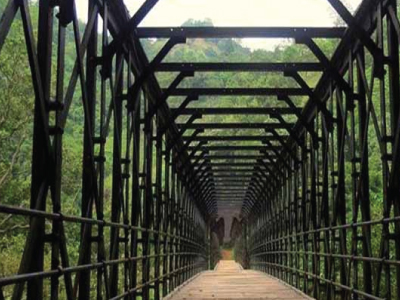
x: 175, y: 175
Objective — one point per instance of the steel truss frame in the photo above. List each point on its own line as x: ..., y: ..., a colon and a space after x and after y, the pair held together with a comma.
x: 311, y: 230
x: 157, y: 233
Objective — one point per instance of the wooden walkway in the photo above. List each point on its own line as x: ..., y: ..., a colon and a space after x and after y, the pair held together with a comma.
x: 230, y: 281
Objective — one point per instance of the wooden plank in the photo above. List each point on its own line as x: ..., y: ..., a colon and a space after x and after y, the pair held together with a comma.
x: 230, y: 281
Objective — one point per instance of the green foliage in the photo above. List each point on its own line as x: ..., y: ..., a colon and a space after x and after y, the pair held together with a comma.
x: 16, y: 122
x: 16, y: 114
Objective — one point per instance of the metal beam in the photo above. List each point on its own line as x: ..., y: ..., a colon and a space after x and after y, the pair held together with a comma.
x: 239, y: 111
x: 234, y: 125
x: 238, y: 92
x: 214, y: 138
x: 240, y: 32
x: 236, y: 148
x: 232, y: 157
x: 231, y: 164
x: 240, y: 67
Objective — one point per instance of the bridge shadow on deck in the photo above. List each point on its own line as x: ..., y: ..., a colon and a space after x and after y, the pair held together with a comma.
x: 230, y: 281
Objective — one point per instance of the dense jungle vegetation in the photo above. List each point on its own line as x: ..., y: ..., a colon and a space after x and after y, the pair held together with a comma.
x: 16, y: 115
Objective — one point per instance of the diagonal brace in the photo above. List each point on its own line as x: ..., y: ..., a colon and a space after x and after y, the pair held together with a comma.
x: 362, y: 35
x: 321, y: 106
x: 160, y: 101
x: 177, y: 113
x: 330, y: 69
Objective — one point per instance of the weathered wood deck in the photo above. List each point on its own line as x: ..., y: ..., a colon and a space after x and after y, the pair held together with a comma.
x: 230, y: 281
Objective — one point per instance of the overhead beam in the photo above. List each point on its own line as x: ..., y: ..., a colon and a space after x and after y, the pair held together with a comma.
x: 240, y: 32
x: 231, y: 164
x: 238, y: 92
x: 224, y: 170
x: 229, y: 196
x: 234, y: 125
x: 225, y: 183
x: 239, y: 111
x: 236, y: 148
x: 233, y: 176
x: 232, y: 202
x: 233, y: 157
x: 240, y: 67
x: 222, y: 190
x: 215, y: 138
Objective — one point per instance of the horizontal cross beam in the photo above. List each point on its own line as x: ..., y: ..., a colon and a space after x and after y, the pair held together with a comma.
x: 233, y: 197
x: 233, y: 176
x: 240, y: 67
x: 235, y: 125
x: 215, y: 138
x: 225, y: 183
x: 238, y: 92
x: 230, y: 192
x: 231, y: 164
x: 240, y: 32
x: 228, y: 170
x: 239, y: 111
x: 236, y: 148
x: 233, y: 157
x: 231, y: 189
x: 223, y: 201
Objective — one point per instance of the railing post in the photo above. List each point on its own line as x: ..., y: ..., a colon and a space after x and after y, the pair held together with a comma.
x: 246, y: 257
x: 209, y: 236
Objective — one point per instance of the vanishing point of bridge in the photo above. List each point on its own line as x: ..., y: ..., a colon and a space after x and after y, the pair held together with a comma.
x: 295, y: 187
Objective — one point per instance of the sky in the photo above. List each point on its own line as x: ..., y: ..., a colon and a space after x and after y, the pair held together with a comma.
x: 170, y: 13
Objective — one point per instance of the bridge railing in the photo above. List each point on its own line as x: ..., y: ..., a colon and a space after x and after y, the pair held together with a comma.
x: 143, y: 233
x: 328, y: 224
